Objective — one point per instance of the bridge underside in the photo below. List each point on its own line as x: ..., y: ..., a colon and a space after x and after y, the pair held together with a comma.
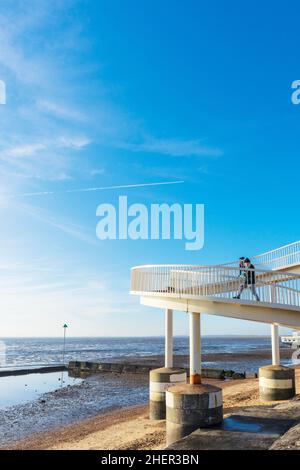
x: 242, y: 310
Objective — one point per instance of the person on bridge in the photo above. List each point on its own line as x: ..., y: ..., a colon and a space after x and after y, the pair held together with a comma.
x: 247, y: 275
x: 242, y: 265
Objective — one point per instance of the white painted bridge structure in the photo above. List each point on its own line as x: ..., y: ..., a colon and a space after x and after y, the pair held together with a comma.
x: 211, y: 290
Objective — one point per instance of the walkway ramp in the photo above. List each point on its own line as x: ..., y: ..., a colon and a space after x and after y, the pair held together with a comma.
x: 284, y: 258
x: 212, y: 289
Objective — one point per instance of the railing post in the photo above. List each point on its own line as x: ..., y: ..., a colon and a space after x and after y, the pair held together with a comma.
x: 168, y: 338
x: 273, y: 294
x: 275, y: 345
x: 195, y: 348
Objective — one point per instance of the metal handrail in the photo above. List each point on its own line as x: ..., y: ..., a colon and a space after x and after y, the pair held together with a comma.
x: 221, y: 282
x: 280, y: 258
x: 225, y: 267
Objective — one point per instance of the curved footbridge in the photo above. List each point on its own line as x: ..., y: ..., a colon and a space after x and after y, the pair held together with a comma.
x: 213, y: 290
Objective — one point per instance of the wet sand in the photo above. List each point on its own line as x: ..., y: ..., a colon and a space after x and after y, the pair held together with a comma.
x: 183, y: 359
x: 97, y: 395
x: 131, y: 427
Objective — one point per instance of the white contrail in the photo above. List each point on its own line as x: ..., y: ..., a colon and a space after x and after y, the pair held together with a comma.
x: 85, y: 190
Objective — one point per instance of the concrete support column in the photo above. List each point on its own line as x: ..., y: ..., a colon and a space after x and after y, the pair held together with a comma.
x: 276, y: 383
x: 168, y: 338
x: 163, y: 378
x: 160, y: 380
x: 194, y: 405
x: 190, y: 407
x: 195, y: 349
x: 275, y: 345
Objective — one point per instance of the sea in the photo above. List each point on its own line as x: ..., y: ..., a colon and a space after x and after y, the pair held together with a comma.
x: 32, y: 352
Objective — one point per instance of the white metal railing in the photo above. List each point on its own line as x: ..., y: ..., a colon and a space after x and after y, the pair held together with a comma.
x: 281, y: 258
x: 221, y: 282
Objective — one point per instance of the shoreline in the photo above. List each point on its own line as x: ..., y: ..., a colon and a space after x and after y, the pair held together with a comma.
x: 109, y: 411
x: 130, y: 428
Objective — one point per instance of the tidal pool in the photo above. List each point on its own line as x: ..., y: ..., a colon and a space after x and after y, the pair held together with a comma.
x: 15, y: 390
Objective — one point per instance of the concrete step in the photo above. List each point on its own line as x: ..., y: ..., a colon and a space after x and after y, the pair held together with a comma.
x: 255, y: 428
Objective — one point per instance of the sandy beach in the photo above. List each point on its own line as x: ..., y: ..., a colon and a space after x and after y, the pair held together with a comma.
x: 131, y: 428
x: 109, y: 410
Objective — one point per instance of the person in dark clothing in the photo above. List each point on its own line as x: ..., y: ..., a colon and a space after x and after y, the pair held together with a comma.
x: 241, y: 264
x: 248, y: 278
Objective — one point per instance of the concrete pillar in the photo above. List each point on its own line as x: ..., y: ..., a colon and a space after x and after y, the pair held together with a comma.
x: 275, y: 345
x: 190, y: 407
x: 195, y: 349
x: 194, y: 405
x: 168, y: 338
x: 160, y: 381
x: 276, y: 383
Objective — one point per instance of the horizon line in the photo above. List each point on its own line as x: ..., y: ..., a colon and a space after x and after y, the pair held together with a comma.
x: 140, y: 336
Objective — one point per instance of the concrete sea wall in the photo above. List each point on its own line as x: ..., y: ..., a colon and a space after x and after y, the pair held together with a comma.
x: 94, y: 367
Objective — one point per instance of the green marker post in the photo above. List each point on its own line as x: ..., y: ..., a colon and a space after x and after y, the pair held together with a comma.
x: 64, y: 348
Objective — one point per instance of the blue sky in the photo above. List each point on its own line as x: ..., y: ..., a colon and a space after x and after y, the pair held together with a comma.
x: 103, y: 93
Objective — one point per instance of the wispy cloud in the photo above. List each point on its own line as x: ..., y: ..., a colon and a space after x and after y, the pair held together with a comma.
x: 50, y: 107
x: 17, y: 21
x: 172, y: 147
x: 41, y: 127
x: 97, y: 171
x: 77, y: 142
x: 69, y: 228
x: 32, y: 148
x: 27, y: 69
x: 61, y: 111
x: 26, y: 150
x: 46, y: 159
x: 82, y: 299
